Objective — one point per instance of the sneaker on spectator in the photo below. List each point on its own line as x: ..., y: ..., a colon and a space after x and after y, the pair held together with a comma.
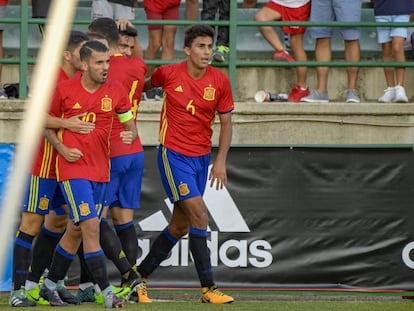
x: 18, y: 299
x: 352, y: 96
x: 389, y: 95
x: 297, y: 93
x: 220, y: 54
x: 316, y: 97
x: 282, y: 56
x: 3, y: 94
x: 400, y: 96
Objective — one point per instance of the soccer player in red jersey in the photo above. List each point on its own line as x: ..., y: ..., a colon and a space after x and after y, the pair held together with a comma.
x: 194, y: 93
x: 127, y: 161
x: 42, y: 197
x: 83, y: 182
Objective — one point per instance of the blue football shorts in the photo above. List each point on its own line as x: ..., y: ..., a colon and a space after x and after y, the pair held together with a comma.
x: 124, y: 188
x: 43, y: 194
x: 183, y: 177
x: 84, y: 197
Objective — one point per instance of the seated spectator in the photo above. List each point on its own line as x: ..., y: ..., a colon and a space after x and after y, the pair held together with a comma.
x: 297, y: 10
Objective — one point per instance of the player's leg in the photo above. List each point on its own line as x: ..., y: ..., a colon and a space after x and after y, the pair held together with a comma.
x: 39, y: 194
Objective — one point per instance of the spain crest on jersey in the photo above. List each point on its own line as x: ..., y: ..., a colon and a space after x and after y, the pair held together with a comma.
x: 209, y: 93
x: 106, y: 104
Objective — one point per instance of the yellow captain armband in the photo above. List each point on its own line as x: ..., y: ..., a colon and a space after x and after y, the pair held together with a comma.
x: 125, y: 116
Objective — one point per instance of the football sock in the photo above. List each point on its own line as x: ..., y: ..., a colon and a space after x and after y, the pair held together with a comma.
x: 158, y: 252
x: 21, y: 258
x: 60, y: 264
x: 43, y: 249
x: 85, y: 276
x: 128, y: 237
x: 96, y: 263
x: 201, y: 256
x: 112, y: 248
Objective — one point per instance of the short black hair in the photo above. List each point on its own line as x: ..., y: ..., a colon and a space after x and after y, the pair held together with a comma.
x: 197, y: 30
x: 95, y: 35
x: 107, y: 27
x: 75, y: 38
x: 90, y: 46
x: 129, y: 31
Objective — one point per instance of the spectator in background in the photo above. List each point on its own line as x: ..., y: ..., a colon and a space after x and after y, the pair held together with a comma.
x: 191, y: 10
x: 210, y: 9
x: 161, y: 37
x: 392, y: 43
x: 296, y: 10
x: 3, y: 9
x: 341, y: 11
x: 116, y: 9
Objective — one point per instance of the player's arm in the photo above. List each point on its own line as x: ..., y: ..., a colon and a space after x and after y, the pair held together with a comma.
x: 73, y: 124
x: 130, y: 132
x: 148, y: 85
x: 218, y: 171
x: 70, y: 154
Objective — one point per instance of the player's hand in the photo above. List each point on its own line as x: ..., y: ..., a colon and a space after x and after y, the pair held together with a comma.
x: 127, y: 137
x: 70, y: 154
x: 218, y: 175
x: 123, y: 23
x: 75, y: 124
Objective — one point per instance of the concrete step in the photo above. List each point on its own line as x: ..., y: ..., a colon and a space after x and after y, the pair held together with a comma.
x: 291, y: 124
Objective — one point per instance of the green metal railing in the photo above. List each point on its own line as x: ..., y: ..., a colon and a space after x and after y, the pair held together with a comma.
x: 232, y: 64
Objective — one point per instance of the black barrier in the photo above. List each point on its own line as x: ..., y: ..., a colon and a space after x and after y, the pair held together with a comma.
x: 296, y: 217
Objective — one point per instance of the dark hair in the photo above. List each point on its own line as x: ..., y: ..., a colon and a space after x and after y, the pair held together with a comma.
x: 198, y: 30
x: 95, y: 35
x: 90, y: 46
x: 75, y: 38
x: 129, y: 31
x: 107, y: 27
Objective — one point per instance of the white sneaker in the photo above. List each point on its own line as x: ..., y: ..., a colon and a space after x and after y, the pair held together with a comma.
x: 389, y: 95
x: 400, y: 96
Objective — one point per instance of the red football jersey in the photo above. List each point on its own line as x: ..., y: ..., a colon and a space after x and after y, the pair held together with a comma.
x: 71, y: 99
x: 130, y: 72
x: 45, y: 162
x: 190, y: 106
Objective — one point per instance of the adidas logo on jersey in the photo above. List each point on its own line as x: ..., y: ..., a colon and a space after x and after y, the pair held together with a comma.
x: 77, y: 106
x: 179, y: 89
